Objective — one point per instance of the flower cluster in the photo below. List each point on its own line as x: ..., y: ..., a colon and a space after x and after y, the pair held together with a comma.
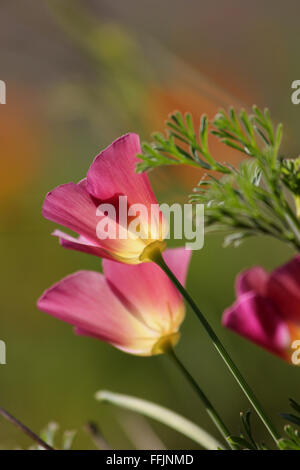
x: 133, y: 305
x: 137, y: 303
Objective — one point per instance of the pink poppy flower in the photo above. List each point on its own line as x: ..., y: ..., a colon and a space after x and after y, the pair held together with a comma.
x: 267, y: 309
x: 83, y: 207
x: 135, y: 308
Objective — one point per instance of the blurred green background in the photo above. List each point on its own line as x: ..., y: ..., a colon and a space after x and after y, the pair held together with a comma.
x: 78, y: 75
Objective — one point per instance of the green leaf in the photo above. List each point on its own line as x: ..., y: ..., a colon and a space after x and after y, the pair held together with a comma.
x: 67, y: 439
x: 287, y: 444
x: 161, y: 414
x: 235, y: 146
x: 48, y: 434
x: 204, y: 131
x: 295, y: 405
x: 241, y: 443
x: 250, y: 198
x: 291, y: 417
x: 236, y: 239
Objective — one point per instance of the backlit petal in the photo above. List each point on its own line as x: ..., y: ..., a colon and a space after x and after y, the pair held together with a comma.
x: 147, y: 292
x: 283, y: 288
x: 113, y: 173
x: 71, y: 205
x: 255, y: 318
x: 252, y: 280
x: 85, y: 300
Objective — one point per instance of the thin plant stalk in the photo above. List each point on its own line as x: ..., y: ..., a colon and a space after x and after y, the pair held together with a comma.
x: 214, y: 416
x: 25, y: 429
x: 157, y: 258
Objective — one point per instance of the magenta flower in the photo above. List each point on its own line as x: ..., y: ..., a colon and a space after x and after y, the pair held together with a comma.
x: 267, y: 309
x: 135, y: 308
x: 111, y: 175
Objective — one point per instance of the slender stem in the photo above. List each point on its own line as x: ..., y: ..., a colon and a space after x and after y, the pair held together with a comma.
x: 158, y: 259
x: 217, y: 420
x: 25, y: 429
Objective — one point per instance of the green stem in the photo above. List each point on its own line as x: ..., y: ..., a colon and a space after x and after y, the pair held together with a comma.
x: 156, y: 257
x: 214, y: 416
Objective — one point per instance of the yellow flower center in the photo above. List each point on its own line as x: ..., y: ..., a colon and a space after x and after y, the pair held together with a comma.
x: 165, y: 343
x: 149, y: 252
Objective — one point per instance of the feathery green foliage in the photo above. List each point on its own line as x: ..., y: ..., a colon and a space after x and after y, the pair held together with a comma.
x: 258, y: 197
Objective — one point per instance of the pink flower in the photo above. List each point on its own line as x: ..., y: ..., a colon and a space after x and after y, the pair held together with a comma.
x: 111, y: 175
x: 267, y: 309
x: 135, y: 308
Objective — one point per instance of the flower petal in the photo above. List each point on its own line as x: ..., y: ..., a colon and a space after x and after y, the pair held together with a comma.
x: 283, y: 288
x: 139, y: 346
x: 85, y: 300
x: 178, y: 260
x: 81, y: 244
x: 253, y: 279
x: 124, y: 251
x: 113, y: 173
x: 71, y: 205
x: 255, y: 318
x: 148, y: 293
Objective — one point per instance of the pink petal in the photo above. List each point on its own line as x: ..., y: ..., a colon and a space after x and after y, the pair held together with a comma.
x: 113, y: 173
x: 255, y: 318
x: 139, y: 346
x: 284, y: 289
x: 253, y: 279
x: 84, y: 300
x: 81, y: 244
x: 72, y: 206
x: 125, y: 251
x: 148, y: 293
x: 178, y: 260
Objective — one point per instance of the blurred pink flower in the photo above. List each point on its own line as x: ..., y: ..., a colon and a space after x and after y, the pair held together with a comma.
x: 267, y: 309
x: 135, y: 308
x: 111, y: 175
